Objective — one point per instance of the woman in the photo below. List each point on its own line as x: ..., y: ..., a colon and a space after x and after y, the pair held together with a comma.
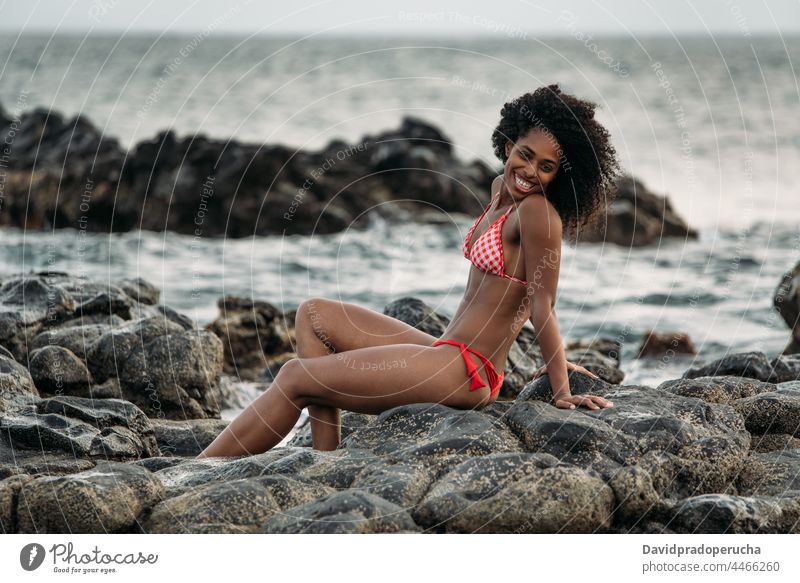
x: 559, y: 167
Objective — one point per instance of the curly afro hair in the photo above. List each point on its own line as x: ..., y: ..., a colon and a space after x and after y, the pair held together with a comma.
x: 585, y: 181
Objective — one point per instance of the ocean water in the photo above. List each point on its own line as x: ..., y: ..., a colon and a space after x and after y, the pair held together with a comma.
x: 709, y: 121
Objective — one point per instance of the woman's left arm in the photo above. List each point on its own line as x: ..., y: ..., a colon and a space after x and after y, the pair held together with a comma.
x: 541, y: 233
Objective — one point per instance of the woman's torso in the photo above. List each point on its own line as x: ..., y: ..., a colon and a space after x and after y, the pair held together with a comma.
x: 492, y: 311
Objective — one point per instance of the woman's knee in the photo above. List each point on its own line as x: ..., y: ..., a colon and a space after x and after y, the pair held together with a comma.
x: 287, y: 381
x: 310, y: 318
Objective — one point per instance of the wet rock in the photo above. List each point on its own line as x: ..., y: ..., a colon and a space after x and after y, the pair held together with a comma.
x: 140, y: 290
x: 9, y: 500
x: 57, y: 369
x: 155, y: 185
x: 17, y: 390
x: 659, y: 344
x: 431, y: 429
x: 108, y: 498
x: 635, y: 497
x: 175, y: 375
x: 607, y: 368
x: 342, y: 512
x: 418, y: 314
x: 773, y: 473
x: 516, y: 493
x: 403, y: 482
x: 774, y: 412
x: 236, y: 506
x: 717, y: 389
x: 251, y: 331
x: 720, y: 514
x: 350, y: 422
x: 107, y: 414
x: 25, y: 304
x: 785, y: 368
x: 186, y: 438
x: 787, y: 301
x: 686, y: 444
x: 108, y: 354
x: 637, y: 217
x: 754, y: 365
x: 774, y: 442
x: 187, y: 475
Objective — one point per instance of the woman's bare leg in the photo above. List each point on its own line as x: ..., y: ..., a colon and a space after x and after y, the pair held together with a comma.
x: 326, y: 422
x: 367, y: 380
x: 325, y: 326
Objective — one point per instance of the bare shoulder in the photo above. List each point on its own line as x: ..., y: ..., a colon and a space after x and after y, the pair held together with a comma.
x: 538, y: 215
x: 496, y: 184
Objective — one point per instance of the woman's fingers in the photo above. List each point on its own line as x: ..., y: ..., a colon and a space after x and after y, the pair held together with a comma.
x: 592, y: 402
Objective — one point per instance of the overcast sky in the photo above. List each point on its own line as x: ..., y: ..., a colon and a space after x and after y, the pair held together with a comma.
x: 451, y: 17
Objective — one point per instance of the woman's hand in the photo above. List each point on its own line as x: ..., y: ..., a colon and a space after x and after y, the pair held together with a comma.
x: 567, y: 401
x: 570, y: 366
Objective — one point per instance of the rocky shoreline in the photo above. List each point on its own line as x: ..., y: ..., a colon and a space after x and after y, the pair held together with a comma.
x: 65, y: 173
x: 106, y: 396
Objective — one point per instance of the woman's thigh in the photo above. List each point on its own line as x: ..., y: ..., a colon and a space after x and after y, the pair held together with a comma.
x: 374, y: 379
x: 344, y: 326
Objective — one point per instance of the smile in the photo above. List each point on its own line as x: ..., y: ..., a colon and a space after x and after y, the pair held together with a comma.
x: 522, y: 184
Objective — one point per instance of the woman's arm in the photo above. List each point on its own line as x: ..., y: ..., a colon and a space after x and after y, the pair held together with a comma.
x: 541, y: 233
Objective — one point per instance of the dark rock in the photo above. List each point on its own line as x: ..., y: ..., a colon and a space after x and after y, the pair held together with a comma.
x: 76, y: 339
x: 216, y: 187
x: 140, y: 290
x: 787, y: 301
x: 637, y: 217
x: 350, y: 422
x: 516, y: 493
x: 775, y: 412
x: 26, y: 302
x: 9, y: 501
x: 57, y: 370
x: 774, y: 442
x: 106, y: 499
x: 431, y: 429
x: 785, y: 368
x: 569, y: 435
x: 17, y: 390
x: 418, y: 314
x: 186, y: 438
x: 687, y: 445
x: 608, y: 347
x: 342, y: 512
x: 717, y: 389
x: 721, y: 514
x: 106, y: 414
x: 665, y: 344
x: 108, y: 354
x: 636, y: 499
x: 235, y: 506
x: 754, y: 365
x: 175, y: 375
x: 773, y: 473
x: 251, y: 331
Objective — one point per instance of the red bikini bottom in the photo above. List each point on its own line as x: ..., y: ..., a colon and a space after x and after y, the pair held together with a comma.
x: 495, y: 378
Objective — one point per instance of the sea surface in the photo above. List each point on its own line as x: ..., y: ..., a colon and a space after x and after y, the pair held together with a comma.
x: 710, y: 121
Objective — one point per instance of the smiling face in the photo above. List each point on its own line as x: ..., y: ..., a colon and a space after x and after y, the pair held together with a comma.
x: 532, y: 163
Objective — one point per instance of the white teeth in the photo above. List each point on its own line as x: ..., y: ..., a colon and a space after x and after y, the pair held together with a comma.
x: 522, y: 184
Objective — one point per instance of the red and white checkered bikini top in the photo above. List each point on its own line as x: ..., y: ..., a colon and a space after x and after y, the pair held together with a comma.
x: 487, y: 252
